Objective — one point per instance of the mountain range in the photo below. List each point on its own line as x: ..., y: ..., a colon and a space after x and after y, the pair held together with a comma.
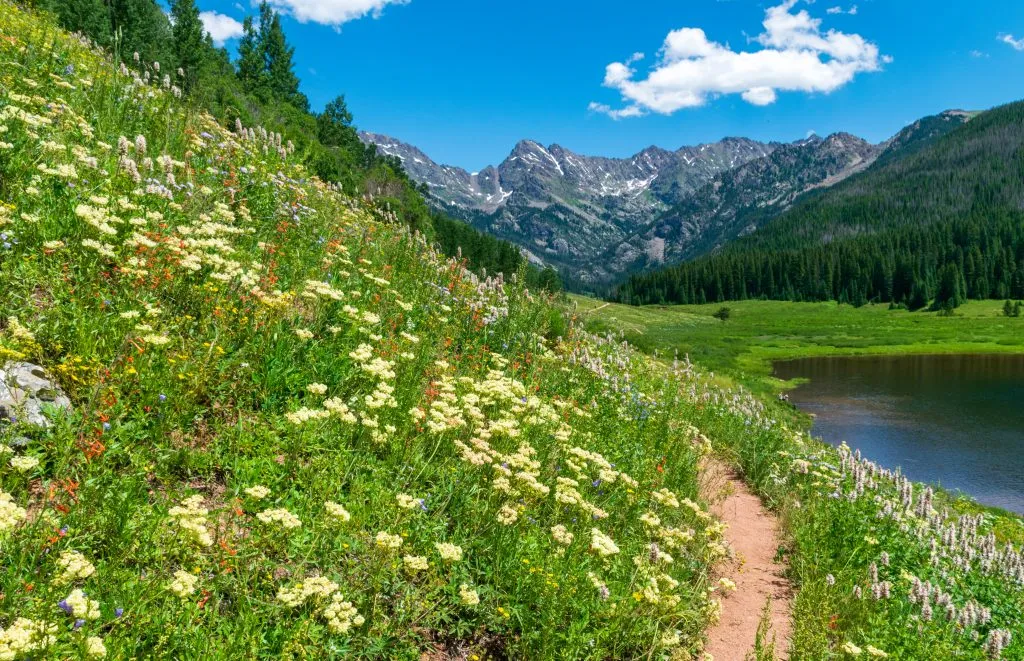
x: 599, y: 219
x: 937, y: 219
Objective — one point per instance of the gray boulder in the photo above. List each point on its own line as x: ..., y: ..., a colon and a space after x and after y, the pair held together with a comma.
x: 25, y: 391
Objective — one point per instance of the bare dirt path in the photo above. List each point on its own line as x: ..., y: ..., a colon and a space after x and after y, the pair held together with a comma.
x: 753, y: 534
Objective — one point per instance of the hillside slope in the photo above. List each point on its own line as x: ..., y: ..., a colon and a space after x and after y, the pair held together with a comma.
x: 292, y: 427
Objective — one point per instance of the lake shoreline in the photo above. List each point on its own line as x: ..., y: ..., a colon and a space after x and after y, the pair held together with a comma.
x: 944, y: 419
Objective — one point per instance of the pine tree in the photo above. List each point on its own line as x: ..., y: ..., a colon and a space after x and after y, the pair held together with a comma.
x: 140, y: 26
x: 190, y: 47
x: 918, y: 297
x: 90, y: 17
x: 281, y: 78
x: 189, y: 42
x: 252, y: 63
x: 950, y: 294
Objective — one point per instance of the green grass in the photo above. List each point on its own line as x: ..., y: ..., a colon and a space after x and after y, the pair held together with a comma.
x: 759, y: 332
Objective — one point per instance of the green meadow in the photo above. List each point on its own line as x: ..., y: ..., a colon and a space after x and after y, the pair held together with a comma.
x: 759, y: 332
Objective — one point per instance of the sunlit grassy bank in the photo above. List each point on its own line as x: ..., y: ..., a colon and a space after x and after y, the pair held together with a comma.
x: 759, y: 332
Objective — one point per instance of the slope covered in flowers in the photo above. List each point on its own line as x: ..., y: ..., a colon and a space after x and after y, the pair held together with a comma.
x: 298, y: 430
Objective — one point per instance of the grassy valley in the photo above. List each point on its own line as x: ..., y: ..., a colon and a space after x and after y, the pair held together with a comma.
x: 757, y: 332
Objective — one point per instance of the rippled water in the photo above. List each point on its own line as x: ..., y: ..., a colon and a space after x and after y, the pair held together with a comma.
x: 957, y: 421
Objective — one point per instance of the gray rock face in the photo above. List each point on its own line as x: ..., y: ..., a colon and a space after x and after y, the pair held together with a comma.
x: 567, y: 208
x: 736, y: 203
x: 27, y: 394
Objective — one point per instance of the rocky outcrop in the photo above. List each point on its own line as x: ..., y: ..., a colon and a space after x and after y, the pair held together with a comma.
x: 28, y: 394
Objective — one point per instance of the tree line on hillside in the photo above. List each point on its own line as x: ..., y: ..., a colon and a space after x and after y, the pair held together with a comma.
x: 930, y: 229
x: 937, y: 266
x: 261, y: 88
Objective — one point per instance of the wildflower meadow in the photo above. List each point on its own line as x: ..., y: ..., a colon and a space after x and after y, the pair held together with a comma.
x: 298, y: 431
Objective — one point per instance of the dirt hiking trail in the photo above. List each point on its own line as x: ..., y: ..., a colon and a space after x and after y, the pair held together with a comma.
x: 753, y: 534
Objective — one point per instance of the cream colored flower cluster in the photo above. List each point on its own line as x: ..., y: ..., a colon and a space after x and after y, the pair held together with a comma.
x: 407, y: 502
x: 24, y: 637
x: 449, y: 552
x: 258, y: 492
x: 602, y: 544
x: 184, y: 583
x: 567, y: 493
x: 280, y: 517
x: 415, y: 563
x: 339, y: 614
x: 73, y: 567
x: 190, y: 519
x: 81, y: 607
x: 445, y: 412
x: 468, y: 595
x: 304, y: 415
x: 337, y: 512
x: 312, y: 588
x: 11, y: 514
x: 386, y: 540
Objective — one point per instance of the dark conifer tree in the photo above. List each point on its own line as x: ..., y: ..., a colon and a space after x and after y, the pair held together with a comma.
x: 90, y: 17
x: 141, y: 26
x: 281, y: 79
x: 190, y: 46
x: 252, y: 65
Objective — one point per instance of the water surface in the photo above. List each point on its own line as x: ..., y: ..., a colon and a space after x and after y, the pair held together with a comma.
x: 957, y: 421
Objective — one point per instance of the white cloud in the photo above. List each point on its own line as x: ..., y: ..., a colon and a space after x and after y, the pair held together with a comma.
x: 795, y: 55
x: 332, y: 12
x: 977, y: 54
x: 220, y: 27
x: 605, y: 109
x: 1016, y: 44
x: 760, y: 96
x: 839, y: 10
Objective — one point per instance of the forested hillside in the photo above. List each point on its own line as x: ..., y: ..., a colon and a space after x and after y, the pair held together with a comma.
x: 937, y: 225
x: 261, y: 87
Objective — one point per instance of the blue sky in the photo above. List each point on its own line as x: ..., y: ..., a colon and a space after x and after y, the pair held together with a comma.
x: 465, y: 80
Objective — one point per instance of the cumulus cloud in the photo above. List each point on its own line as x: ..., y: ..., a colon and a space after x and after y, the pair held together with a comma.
x: 220, y: 27
x: 332, y: 12
x: 1016, y: 44
x: 795, y: 56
